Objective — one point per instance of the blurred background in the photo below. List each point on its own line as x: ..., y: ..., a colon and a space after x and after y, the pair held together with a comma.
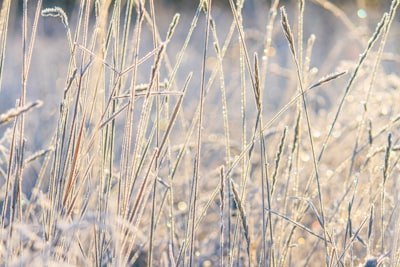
x: 69, y: 5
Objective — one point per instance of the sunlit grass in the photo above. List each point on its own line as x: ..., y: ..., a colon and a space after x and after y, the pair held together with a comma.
x: 196, y: 140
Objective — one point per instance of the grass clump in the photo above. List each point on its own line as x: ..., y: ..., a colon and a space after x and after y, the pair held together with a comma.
x: 170, y: 142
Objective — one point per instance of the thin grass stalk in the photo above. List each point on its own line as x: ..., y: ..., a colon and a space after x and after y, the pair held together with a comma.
x: 135, y: 214
x: 4, y: 18
x: 221, y: 212
x: 152, y: 223
x: 353, y: 238
x: 227, y: 143
x: 268, y: 43
x: 189, y: 231
x: 349, y: 225
x: 70, y: 181
x: 370, y: 227
x: 199, y: 134
x: 156, y: 78
x: 300, y: 36
x: 270, y: 260
x: 10, y: 186
x: 78, y: 188
x: 245, y: 166
x: 384, y: 179
x: 158, y: 108
x: 307, y: 59
x: 27, y: 55
x: 17, y: 190
x: 138, y: 206
x: 264, y: 176
x: 243, y: 219
x: 278, y: 159
x: 181, y: 54
x: 289, y: 37
x: 244, y: 61
x: 293, y: 156
x: 125, y: 33
x: 223, y: 95
x: 263, y: 168
x: 174, y: 114
x: 299, y: 209
x: 171, y: 242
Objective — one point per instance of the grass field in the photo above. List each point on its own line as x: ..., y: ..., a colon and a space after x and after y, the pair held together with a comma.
x: 136, y: 133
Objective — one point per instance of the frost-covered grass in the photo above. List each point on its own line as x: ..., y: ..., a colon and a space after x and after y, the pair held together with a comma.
x: 132, y: 135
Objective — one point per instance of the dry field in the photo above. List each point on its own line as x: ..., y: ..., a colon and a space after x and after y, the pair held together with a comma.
x: 136, y: 133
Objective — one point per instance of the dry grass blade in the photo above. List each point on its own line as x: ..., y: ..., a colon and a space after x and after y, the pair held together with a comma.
x: 222, y: 210
x: 353, y: 238
x: 383, y: 192
x: 370, y: 224
x: 242, y: 214
x: 172, y: 26
x: 287, y: 31
x: 4, y: 18
x: 174, y: 114
x: 278, y: 158
x: 257, y: 90
x: 299, y: 225
x: 195, y: 192
x: 15, y: 112
x: 326, y: 79
x: 56, y: 12
x: 38, y: 155
x: 387, y: 159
